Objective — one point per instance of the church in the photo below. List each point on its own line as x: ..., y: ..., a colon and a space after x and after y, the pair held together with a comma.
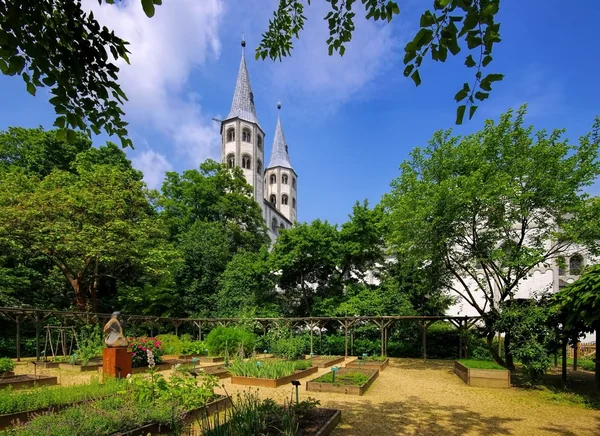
x: 275, y: 185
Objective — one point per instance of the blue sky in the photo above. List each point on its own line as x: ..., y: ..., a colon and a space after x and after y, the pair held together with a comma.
x: 349, y: 121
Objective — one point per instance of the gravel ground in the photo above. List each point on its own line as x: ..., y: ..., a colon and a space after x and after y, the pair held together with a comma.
x: 414, y: 398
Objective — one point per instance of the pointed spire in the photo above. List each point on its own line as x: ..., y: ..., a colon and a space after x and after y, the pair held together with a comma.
x: 243, y: 99
x: 279, y: 151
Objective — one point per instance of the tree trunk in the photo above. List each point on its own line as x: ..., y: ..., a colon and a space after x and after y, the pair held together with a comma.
x: 508, y: 357
x: 494, y: 350
x: 80, y: 299
x: 94, y: 287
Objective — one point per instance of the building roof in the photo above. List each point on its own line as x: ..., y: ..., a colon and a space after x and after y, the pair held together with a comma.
x: 242, y: 105
x: 279, y: 151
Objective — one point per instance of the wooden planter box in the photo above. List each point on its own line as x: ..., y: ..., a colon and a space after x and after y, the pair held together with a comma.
x: 81, y: 368
x: 27, y: 381
x: 316, y: 386
x: 159, y: 367
x: 207, y: 359
x: 19, y: 418
x: 272, y: 382
x: 44, y: 365
x: 190, y: 417
x: 325, y: 363
x: 331, y: 424
x: 6, y: 374
x: 487, y: 378
x: 369, y: 364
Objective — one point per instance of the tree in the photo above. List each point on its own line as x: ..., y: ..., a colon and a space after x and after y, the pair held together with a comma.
x: 92, y: 223
x: 214, y: 193
x: 247, y: 288
x: 439, y: 34
x: 491, y: 206
x: 579, y: 306
x: 37, y: 151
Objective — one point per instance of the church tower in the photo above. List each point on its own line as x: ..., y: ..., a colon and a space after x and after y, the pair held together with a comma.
x: 281, y: 181
x: 242, y: 139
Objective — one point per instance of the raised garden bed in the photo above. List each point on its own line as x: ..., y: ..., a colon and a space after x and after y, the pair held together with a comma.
x: 191, y: 416
x: 483, y: 377
x: 44, y: 365
x: 26, y: 381
x: 209, y: 359
x: 376, y: 364
x: 270, y: 382
x: 343, y: 383
x: 20, y: 418
x: 90, y: 366
x: 6, y: 374
x: 160, y: 367
x: 325, y: 362
x: 320, y: 422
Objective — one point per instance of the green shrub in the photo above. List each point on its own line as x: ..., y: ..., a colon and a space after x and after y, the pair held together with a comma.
x: 170, y: 344
x: 6, y: 364
x: 230, y: 341
x: 90, y: 343
x: 289, y: 348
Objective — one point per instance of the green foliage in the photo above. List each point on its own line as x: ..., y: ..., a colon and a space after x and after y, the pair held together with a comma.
x: 229, y: 341
x: 456, y: 203
x: 90, y: 342
x: 271, y: 369
x: 56, y: 44
x: 190, y: 347
x: 170, y: 344
x: 13, y: 401
x: 580, y: 301
x: 253, y: 416
x: 353, y: 378
x: 450, y: 26
x: 6, y: 364
x: 289, y: 348
x: 480, y: 364
x: 139, y: 351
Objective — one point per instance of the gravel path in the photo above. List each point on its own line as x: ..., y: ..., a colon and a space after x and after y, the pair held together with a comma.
x: 414, y: 398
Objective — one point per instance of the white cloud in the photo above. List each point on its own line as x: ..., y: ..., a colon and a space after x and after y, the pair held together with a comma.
x: 182, y: 35
x: 154, y: 166
x: 310, y: 74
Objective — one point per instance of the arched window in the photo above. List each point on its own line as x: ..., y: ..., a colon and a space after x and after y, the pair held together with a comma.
x: 259, y: 142
x: 246, y: 162
x: 231, y: 135
x: 575, y: 264
x: 274, y: 224
x: 246, y: 135
x: 284, y: 179
x: 273, y: 200
x: 259, y: 168
x: 293, y: 182
x: 284, y: 199
x: 294, y: 203
x: 273, y: 179
x: 281, y: 226
x: 230, y: 161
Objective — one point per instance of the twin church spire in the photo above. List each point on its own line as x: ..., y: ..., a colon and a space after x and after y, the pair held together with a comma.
x: 274, y: 186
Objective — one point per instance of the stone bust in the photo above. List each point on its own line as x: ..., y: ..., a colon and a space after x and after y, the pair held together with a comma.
x: 115, y: 337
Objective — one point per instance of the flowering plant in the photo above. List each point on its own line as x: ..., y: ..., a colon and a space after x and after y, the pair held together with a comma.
x: 144, y: 347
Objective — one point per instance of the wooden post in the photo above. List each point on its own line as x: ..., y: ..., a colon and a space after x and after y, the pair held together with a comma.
x: 18, y: 320
x: 345, y: 339
x: 424, y: 340
x: 310, y: 326
x: 575, y: 352
x: 459, y: 339
x: 37, y: 338
x: 352, y: 342
x: 382, y: 338
x: 564, y: 359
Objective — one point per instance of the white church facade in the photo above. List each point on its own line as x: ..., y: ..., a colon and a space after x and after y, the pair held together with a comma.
x: 275, y: 185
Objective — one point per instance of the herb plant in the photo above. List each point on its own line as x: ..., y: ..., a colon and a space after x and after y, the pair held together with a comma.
x: 267, y: 369
x: 6, y: 364
x: 353, y: 378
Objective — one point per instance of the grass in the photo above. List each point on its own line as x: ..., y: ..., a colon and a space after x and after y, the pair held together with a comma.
x: 354, y: 378
x: 376, y: 358
x: 582, y: 363
x: 12, y: 401
x: 267, y: 369
x: 480, y: 364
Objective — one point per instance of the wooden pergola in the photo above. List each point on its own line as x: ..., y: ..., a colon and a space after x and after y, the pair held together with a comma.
x: 384, y: 323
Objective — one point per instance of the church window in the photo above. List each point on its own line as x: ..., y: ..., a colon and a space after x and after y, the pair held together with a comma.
x: 575, y: 264
x: 293, y: 182
x: 246, y: 162
x: 274, y: 224
x: 273, y: 200
x: 284, y: 179
x: 273, y: 179
x: 230, y: 161
x: 259, y: 142
x: 294, y: 203
x: 231, y: 135
x: 259, y: 167
x: 281, y: 226
x: 561, y: 266
x: 246, y: 136
x: 284, y: 199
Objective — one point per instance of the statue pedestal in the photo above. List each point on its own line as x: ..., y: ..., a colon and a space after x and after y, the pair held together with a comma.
x: 116, y: 362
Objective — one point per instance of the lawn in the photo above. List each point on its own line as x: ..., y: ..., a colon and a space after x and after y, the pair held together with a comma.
x: 480, y: 364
